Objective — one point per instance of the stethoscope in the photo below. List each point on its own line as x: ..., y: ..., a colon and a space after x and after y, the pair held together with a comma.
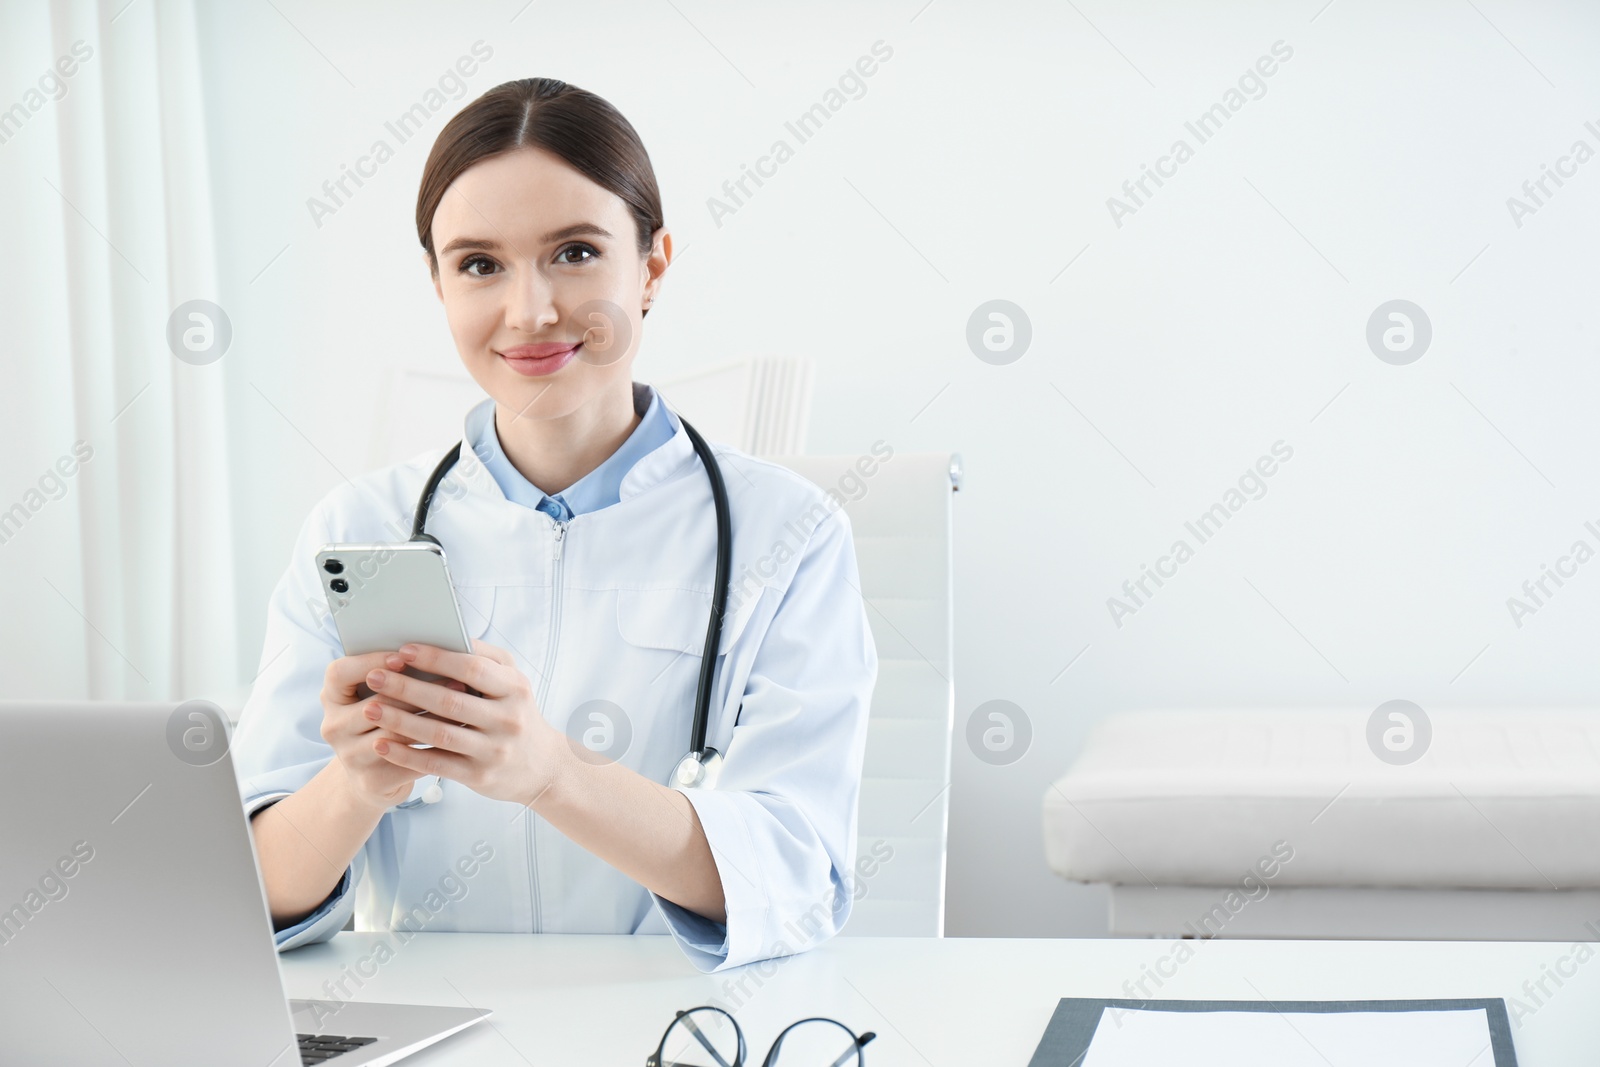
x: 702, y: 765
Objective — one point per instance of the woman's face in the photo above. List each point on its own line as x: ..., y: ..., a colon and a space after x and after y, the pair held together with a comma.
x: 535, y: 258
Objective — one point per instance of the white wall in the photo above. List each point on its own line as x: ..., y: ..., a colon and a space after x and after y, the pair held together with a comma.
x: 1226, y: 314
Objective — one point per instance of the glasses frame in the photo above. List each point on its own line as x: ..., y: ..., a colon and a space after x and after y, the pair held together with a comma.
x: 861, y: 1040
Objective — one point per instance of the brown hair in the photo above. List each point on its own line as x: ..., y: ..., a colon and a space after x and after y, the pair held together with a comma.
x: 574, y: 124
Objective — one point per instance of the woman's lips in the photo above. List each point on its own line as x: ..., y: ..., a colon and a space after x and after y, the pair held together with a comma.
x: 528, y: 365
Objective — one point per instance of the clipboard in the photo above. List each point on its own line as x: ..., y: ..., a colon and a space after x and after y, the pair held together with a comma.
x: 1072, y: 1027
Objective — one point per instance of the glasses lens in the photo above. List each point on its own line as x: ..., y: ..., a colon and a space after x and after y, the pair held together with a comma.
x: 817, y: 1043
x: 704, y: 1037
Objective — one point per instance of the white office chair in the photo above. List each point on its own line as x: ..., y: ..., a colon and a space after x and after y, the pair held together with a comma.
x: 901, y: 522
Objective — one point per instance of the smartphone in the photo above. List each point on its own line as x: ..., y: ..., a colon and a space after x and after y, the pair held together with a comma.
x: 383, y: 596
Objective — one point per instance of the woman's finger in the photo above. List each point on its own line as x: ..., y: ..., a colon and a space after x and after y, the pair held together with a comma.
x: 494, y: 652
x: 430, y: 730
x: 425, y: 760
x: 447, y: 702
x: 485, y: 674
x: 347, y: 675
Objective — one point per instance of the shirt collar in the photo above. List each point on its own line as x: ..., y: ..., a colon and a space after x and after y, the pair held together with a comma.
x: 652, y: 450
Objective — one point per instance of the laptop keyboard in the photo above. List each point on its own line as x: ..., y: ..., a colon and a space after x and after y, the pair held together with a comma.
x: 319, y: 1048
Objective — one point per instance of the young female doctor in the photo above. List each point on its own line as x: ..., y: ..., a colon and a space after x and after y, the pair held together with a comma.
x: 580, y: 525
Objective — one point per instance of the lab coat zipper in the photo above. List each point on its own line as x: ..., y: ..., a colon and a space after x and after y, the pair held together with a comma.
x: 544, y: 690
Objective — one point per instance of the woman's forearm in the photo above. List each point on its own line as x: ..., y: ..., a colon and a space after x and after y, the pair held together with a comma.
x: 647, y: 831
x: 305, y: 841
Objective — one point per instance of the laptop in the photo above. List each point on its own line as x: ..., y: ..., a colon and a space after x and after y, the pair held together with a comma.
x: 133, y: 923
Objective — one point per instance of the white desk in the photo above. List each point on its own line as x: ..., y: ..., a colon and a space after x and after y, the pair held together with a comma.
x: 580, y: 999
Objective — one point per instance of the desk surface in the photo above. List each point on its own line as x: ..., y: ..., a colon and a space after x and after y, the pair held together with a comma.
x: 596, y: 999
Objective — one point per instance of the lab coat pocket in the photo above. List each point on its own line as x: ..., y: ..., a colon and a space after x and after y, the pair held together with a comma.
x: 675, y: 619
x: 665, y: 629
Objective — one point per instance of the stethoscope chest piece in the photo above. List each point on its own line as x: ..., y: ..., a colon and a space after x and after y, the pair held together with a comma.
x: 698, y: 770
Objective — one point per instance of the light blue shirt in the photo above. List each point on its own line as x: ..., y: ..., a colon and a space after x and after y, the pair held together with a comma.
x: 599, y: 488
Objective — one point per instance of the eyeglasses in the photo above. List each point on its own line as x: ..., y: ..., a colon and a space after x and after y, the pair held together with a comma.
x: 709, y: 1037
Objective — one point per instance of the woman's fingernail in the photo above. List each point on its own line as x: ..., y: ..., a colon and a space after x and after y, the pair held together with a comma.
x: 376, y: 678
x: 374, y: 713
x: 408, y: 650
x: 395, y: 662
x: 382, y: 747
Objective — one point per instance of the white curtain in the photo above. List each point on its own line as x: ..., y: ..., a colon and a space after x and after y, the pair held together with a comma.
x: 116, y: 571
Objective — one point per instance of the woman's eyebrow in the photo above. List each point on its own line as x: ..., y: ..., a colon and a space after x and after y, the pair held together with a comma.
x: 488, y: 244
x: 577, y: 229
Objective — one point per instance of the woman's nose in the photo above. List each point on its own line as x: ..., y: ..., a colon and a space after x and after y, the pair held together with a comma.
x: 530, y: 305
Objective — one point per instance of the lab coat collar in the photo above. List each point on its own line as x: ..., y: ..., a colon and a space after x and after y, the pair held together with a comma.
x: 657, y: 466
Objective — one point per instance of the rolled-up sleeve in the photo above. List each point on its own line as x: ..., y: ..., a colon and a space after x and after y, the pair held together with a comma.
x: 781, y: 821
x: 331, y: 915
x: 278, y: 746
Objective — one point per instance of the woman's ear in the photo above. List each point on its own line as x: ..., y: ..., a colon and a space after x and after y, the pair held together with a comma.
x: 655, y: 263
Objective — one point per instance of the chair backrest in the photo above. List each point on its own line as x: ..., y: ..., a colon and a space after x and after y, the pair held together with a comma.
x: 421, y: 409
x: 759, y: 406
x: 900, y: 515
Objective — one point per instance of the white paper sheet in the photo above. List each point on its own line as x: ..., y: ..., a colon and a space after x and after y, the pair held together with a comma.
x: 1141, y: 1038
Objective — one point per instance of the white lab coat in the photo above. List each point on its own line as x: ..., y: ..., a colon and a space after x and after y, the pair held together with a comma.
x: 615, y: 611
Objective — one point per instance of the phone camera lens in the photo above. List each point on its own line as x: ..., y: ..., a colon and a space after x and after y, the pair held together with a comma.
x: 333, y: 566
x: 339, y: 585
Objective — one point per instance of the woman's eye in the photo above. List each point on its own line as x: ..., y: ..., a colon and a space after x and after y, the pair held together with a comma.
x: 576, y: 248
x: 466, y: 265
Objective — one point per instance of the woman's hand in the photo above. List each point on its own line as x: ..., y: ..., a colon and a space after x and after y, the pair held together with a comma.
x: 345, y: 696
x: 497, y: 745
x: 507, y: 751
